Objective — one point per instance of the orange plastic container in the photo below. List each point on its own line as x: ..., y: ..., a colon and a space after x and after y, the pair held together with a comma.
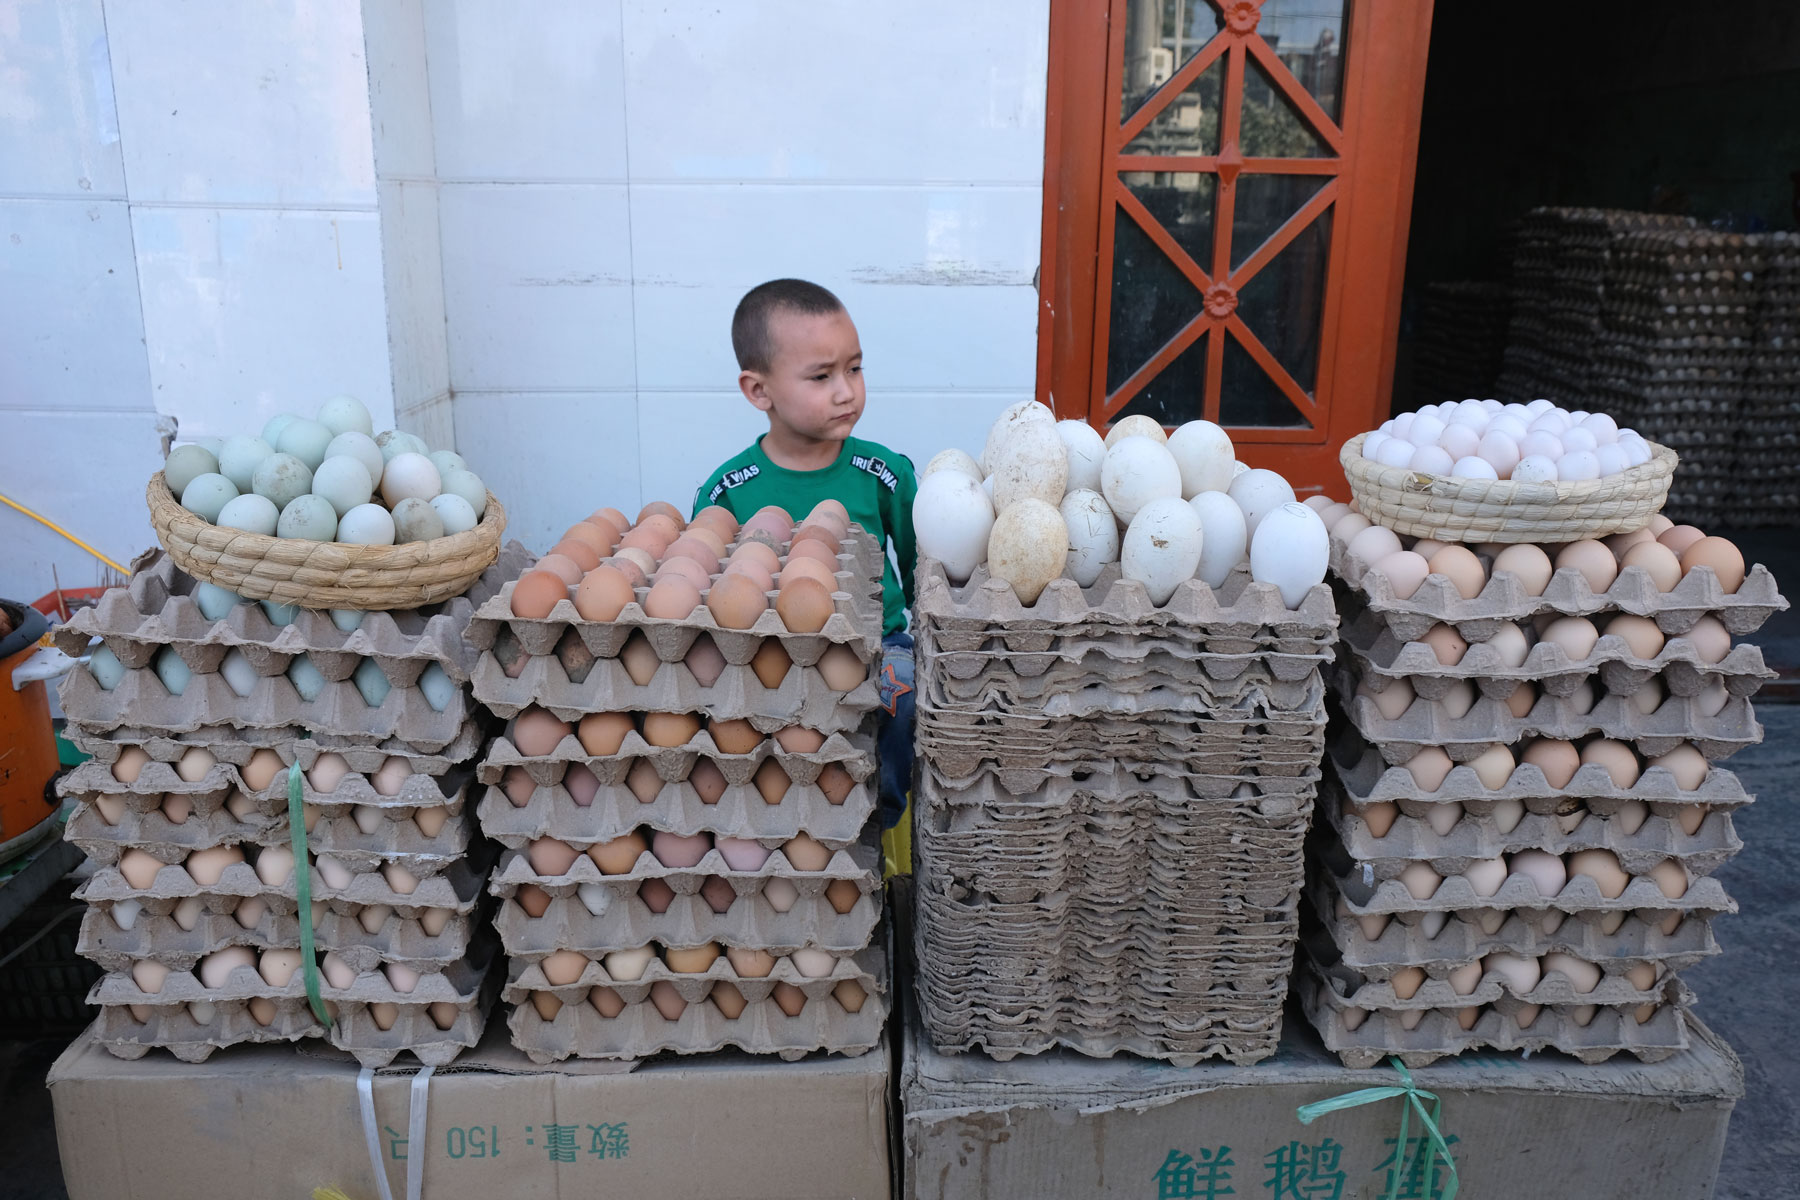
x: 27, y: 741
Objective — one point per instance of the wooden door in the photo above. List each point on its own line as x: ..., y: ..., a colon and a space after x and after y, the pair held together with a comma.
x: 1227, y: 190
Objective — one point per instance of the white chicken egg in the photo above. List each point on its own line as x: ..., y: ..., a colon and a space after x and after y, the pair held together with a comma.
x: 468, y: 485
x: 1499, y: 451
x: 410, y: 476
x: 1136, y: 471
x: 1204, y: 453
x: 252, y: 514
x: 1610, y: 457
x: 1396, y: 453
x: 1458, y: 441
x: 1030, y: 463
x: 206, y: 494
x: 1473, y: 468
x: 1223, y: 537
x: 1425, y: 431
x: 1402, y: 425
x: 1289, y: 549
x: 309, y: 518
x: 1162, y: 546
x: 367, y: 525
x: 240, y: 456
x: 1535, y: 468
x: 1259, y: 493
x: 1093, y: 534
x: 1579, y: 438
x: 952, y: 518
x: 1372, y: 444
x: 1086, y: 449
x: 454, y: 512
x: 1578, y: 465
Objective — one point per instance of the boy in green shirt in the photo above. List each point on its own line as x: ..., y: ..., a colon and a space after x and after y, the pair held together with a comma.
x: 800, y: 362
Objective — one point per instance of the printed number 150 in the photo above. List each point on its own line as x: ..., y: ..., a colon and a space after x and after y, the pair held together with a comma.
x: 477, y: 1141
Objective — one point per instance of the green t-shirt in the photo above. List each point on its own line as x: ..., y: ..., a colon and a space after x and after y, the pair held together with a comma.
x: 875, y: 485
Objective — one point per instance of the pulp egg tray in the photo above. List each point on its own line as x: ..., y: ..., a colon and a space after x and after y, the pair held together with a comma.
x: 640, y: 1029
x: 622, y: 920
x: 396, y: 838
x: 455, y: 983
x: 804, y: 698
x: 1367, y: 779
x: 1475, y: 838
x: 989, y: 607
x: 415, y: 1028
x: 971, y: 674
x: 1462, y: 940
x: 858, y: 863
x: 1381, y: 659
x: 740, y: 813
x: 1677, y: 721
x: 1503, y: 600
x: 1005, y: 1038
x: 1118, y: 653
x: 157, y: 609
x: 1079, y: 786
x: 456, y: 887
x: 1075, y: 692
x: 235, y: 745
x: 149, y: 829
x: 854, y: 750
x: 1379, y: 1035
x: 855, y: 622
x: 175, y: 1028
x: 866, y: 965
x: 160, y: 938
x: 140, y: 700
x: 209, y: 794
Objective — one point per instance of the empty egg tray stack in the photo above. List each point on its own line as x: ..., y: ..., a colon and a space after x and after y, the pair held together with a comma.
x: 572, y: 668
x: 1369, y: 937
x: 396, y: 906
x: 1110, y: 806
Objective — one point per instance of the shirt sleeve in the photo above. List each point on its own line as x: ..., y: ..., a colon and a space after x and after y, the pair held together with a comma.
x: 900, y: 526
x: 700, y: 496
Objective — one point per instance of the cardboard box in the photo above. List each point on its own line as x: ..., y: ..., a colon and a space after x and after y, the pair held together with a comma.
x: 274, y: 1122
x: 1064, y: 1125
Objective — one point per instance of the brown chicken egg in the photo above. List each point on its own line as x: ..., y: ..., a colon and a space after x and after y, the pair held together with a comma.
x: 850, y: 995
x: 1558, y: 760
x: 1528, y: 564
x: 533, y: 899
x: 600, y: 538
x: 789, y: 999
x: 718, y: 894
x: 803, y: 604
x: 578, y: 552
x: 736, y: 736
x: 536, y: 593
x: 1686, y: 764
x: 667, y: 510
x: 707, y: 781
x: 1616, y: 758
x: 649, y: 539
x: 620, y: 855
x: 546, y: 1005
x: 551, y: 856
x: 538, y: 731
x: 1461, y: 568
x: 1725, y: 559
x: 1679, y: 537
x: 630, y: 564
x: 672, y: 598
x: 705, y: 661
x: 1429, y: 767
x: 771, y: 781
x: 1592, y: 561
x: 1446, y: 644
x: 696, y: 549
x: 138, y: 868
x: 797, y: 739
x: 563, y: 967
x: 517, y: 785
x: 581, y: 784
x: 670, y: 729
x: 760, y: 553
x: 1657, y: 561
x: 718, y: 519
x: 602, y: 594
x: 601, y: 734
x: 1576, y: 636
x: 842, y: 670
x: 618, y: 519
x: 771, y: 663
x: 842, y: 895
x: 728, y: 1000
x: 1710, y: 639
x: 691, y: 960
x: 736, y: 601
x: 836, y: 783
x: 639, y: 659
x: 1602, y: 866
x: 1522, y: 700
x: 656, y: 894
x: 680, y: 850
x: 806, y: 853
x: 1404, y: 571
x: 1640, y: 634
x: 799, y: 567
x: 643, y: 781
x: 834, y: 509
x: 562, y: 566
x: 133, y: 759
x: 752, y: 569
x: 685, y: 569
x: 822, y: 553
x: 606, y: 1002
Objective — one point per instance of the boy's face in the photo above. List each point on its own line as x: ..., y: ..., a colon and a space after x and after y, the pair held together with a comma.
x: 813, y: 389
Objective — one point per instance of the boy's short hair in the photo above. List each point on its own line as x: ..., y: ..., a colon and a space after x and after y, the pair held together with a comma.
x: 750, y: 323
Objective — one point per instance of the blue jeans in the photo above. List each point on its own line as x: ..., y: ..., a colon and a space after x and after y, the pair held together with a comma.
x: 894, y: 736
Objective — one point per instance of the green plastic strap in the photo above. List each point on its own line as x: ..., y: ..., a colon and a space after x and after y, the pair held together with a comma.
x: 303, y: 893
x: 1415, y: 1098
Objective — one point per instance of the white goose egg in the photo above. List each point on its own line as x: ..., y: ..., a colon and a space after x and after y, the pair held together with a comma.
x: 1086, y: 448
x: 952, y: 518
x: 963, y: 462
x: 1093, y: 534
x: 1010, y: 418
x: 1162, y: 546
x: 1289, y: 549
x: 1204, y: 453
x: 367, y: 525
x: 1031, y: 463
x: 1258, y: 493
x: 1136, y: 425
x: 410, y: 476
x: 1135, y: 472
x: 1223, y: 537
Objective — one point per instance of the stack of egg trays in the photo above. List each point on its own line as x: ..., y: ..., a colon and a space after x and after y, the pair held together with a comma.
x: 1109, y: 813
x: 570, y: 666
x: 431, y: 925
x: 1356, y: 892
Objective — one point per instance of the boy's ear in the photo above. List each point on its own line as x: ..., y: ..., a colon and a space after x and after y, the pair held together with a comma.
x: 755, y: 390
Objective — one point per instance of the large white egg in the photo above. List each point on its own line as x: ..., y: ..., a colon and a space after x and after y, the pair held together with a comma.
x: 1259, y: 492
x: 468, y: 485
x: 1030, y: 464
x: 1010, y: 418
x: 252, y: 514
x: 1028, y: 547
x: 1136, y: 425
x: 1290, y: 549
x: 1093, y: 534
x: 416, y: 521
x: 1223, y: 536
x: 346, y: 414
x: 280, y: 477
x: 1137, y: 470
x: 206, y: 494
x: 1086, y: 450
x: 393, y: 441
x: 305, y: 440
x: 186, y: 464
x: 308, y: 518
x: 343, y: 482
x: 1162, y: 546
x: 240, y: 456
x: 951, y: 460
x: 412, y: 476
x: 952, y: 518
x: 366, y: 525
x: 363, y: 449
x: 454, y: 512
x: 1204, y: 453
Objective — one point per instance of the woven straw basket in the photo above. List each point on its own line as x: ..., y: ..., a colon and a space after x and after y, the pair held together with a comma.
x: 1498, y: 510
x: 325, y: 574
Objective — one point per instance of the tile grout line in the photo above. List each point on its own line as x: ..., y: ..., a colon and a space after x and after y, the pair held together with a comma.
x: 137, y: 276
x: 637, y: 425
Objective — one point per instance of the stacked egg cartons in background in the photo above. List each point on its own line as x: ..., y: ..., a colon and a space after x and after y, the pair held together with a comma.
x: 1524, y: 801
x: 1110, y: 806
x: 686, y: 798
x: 194, y: 708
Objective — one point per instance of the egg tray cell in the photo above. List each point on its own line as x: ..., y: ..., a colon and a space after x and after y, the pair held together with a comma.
x: 625, y: 921
x: 1475, y: 838
x: 639, y: 1031
x: 456, y: 888
x: 157, y: 609
x: 803, y: 698
x: 172, y: 1027
x: 1238, y: 608
x: 1380, y: 1036
x: 1368, y: 779
x: 740, y: 813
x: 235, y: 745
x: 1381, y: 659
x: 210, y: 793
x: 1488, y: 722
x: 141, y: 701
x: 855, y: 622
x: 860, y: 863
x: 1504, y: 600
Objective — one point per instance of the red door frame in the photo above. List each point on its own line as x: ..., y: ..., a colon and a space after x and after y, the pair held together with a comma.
x: 1384, y: 83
